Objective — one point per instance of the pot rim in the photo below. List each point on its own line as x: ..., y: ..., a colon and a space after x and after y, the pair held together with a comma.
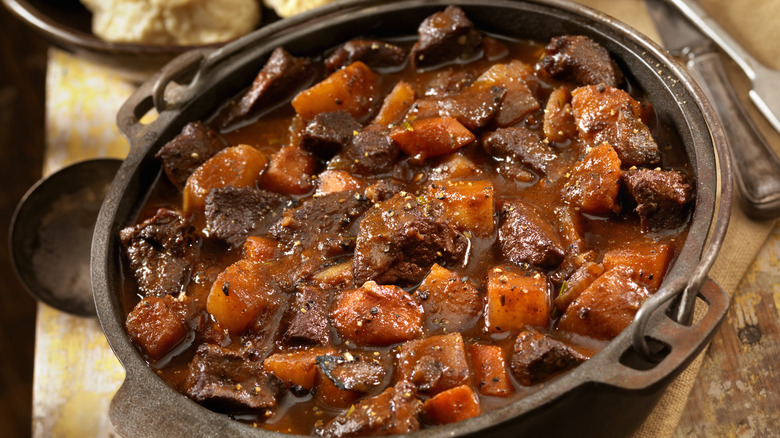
x: 692, y: 263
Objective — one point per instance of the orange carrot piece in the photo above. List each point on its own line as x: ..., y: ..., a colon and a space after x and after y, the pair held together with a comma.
x: 456, y: 404
x: 431, y: 137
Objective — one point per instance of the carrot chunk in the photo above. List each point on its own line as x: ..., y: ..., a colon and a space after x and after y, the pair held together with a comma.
x: 377, y: 315
x: 352, y: 88
x: 450, y: 304
x: 296, y: 368
x: 259, y: 249
x: 431, y: 137
x: 488, y: 363
x: 516, y: 298
x: 155, y: 326
x: 396, y: 104
x: 645, y: 263
x: 237, y: 166
x: 239, y: 294
x: 289, y: 171
x: 595, y: 181
x: 468, y: 205
x: 456, y: 404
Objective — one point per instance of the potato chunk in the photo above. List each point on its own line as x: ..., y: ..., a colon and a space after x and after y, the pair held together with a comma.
x: 155, y: 326
x: 594, y: 182
x: 467, y: 205
x: 396, y: 104
x: 645, y: 263
x: 239, y: 294
x: 450, y: 304
x: 516, y: 298
x: 237, y: 166
x: 606, y: 307
x: 352, y: 88
x: 490, y: 373
x: 431, y: 137
x: 452, y: 405
x: 377, y: 315
x: 289, y: 171
x: 434, y: 364
x: 297, y: 367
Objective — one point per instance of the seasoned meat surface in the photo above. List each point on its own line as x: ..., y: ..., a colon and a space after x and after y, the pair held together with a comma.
x: 445, y: 36
x: 161, y: 251
x: 225, y: 378
x: 374, y: 53
x: 232, y: 213
x: 282, y: 75
x: 526, y: 237
x: 661, y: 195
x: 309, y: 321
x: 328, y: 133
x: 580, y: 59
x: 537, y: 357
x: 400, y: 239
x: 192, y: 147
x: 523, y: 146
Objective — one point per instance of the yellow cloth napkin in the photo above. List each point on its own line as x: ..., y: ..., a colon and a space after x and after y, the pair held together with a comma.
x: 743, y: 20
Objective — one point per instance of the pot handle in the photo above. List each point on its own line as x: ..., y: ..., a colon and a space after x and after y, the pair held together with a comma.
x: 678, y: 344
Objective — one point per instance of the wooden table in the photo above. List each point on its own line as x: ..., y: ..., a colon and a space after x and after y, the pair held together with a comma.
x: 737, y: 392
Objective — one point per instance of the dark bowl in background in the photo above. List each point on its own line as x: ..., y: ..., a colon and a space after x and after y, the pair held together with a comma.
x: 68, y: 24
x: 610, y: 394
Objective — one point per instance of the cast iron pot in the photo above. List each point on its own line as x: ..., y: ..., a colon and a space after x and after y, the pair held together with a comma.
x: 608, y: 395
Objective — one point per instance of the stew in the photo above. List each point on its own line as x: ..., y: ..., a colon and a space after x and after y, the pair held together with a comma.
x: 397, y: 235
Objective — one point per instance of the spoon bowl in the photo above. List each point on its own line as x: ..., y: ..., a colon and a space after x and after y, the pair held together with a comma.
x: 51, y: 234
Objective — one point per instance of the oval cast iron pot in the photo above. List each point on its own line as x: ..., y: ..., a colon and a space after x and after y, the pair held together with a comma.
x: 610, y: 394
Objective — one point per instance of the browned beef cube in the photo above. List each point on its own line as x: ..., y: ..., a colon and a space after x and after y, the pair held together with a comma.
x: 323, y: 222
x: 281, y: 76
x: 309, y: 322
x: 445, y: 36
x: 434, y: 364
x: 537, y: 357
x: 192, y: 147
x: 580, y: 59
x: 607, y: 114
x: 661, y: 195
x: 399, y: 240
x: 161, y: 251
x: 394, y: 411
x: 373, y: 53
x: 474, y: 107
x: 329, y: 132
x: 224, y: 378
x: 371, y: 152
x: 233, y: 213
x: 526, y: 237
x: 349, y: 372
x: 559, y: 124
x: 523, y: 146
x: 448, y: 81
x: 382, y: 190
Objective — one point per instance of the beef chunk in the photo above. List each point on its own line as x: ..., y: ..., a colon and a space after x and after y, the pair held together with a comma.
x: 309, y: 322
x: 434, y: 364
x: 445, y: 36
x: 559, y: 124
x: 521, y: 145
x: 373, y: 53
x: 526, y: 237
x: 382, y: 190
x: 224, y: 378
x: 450, y: 303
x: 400, y: 239
x: 352, y: 373
x: 606, y: 114
x: 232, y: 213
x: 474, y: 107
x: 370, y: 153
x: 323, y: 223
x: 161, y: 251
x: 661, y: 196
x: 281, y: 76
x: 329, y: 132
x: 580, y: 59
x: 448, y: 81
x: 394, y: 411
x: 537, y: 357
x: 192, y: 147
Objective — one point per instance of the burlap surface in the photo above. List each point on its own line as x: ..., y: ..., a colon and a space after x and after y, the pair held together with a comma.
x: 751, y: 23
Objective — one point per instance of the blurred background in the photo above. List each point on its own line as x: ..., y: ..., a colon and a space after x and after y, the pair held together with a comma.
x: 22, y: 76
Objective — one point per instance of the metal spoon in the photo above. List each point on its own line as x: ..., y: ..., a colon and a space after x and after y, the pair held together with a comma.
x: 51, y: 234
